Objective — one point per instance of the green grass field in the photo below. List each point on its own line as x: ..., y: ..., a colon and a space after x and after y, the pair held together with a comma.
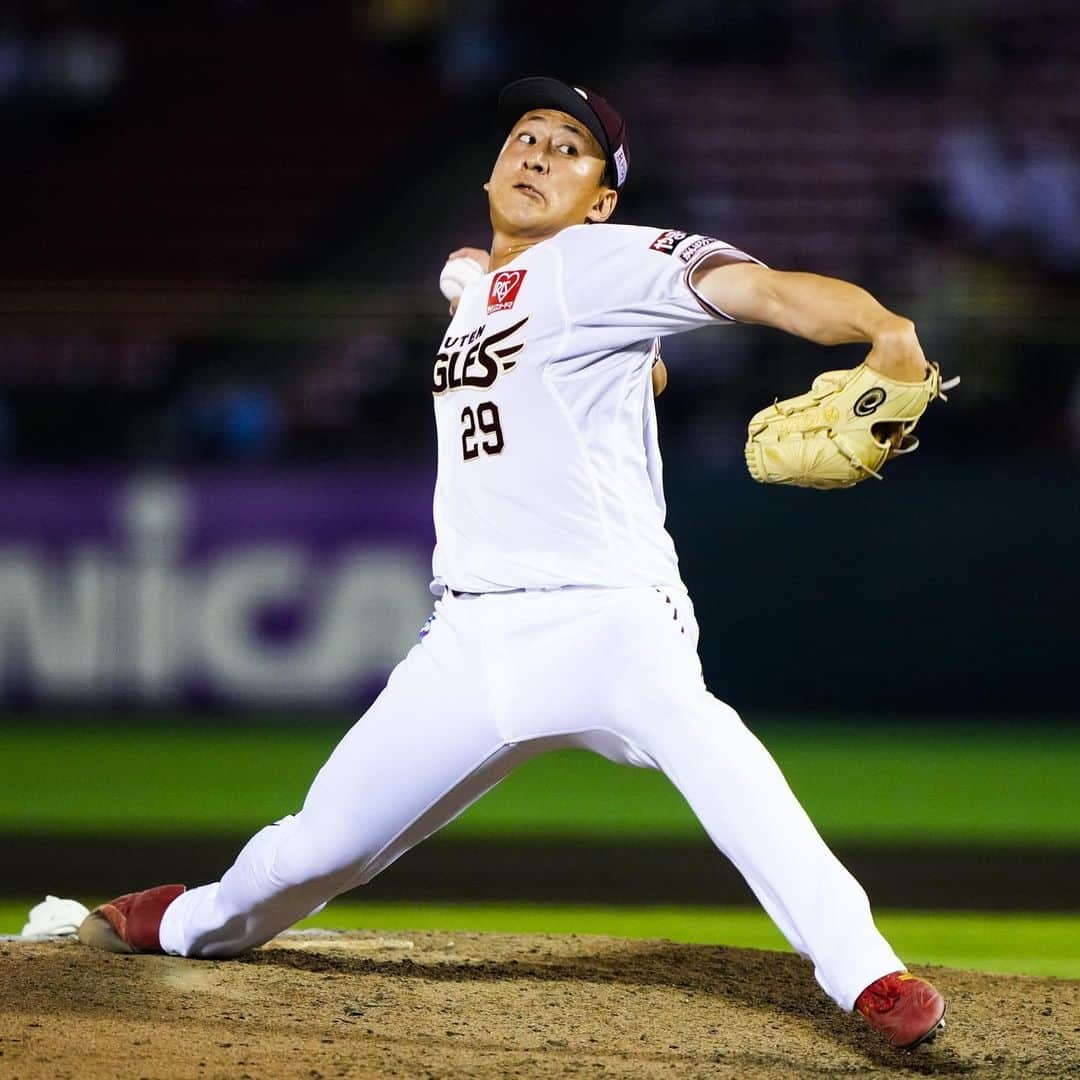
x: 1016, y: 944
x: 874, y: 782
x: 877, y: 782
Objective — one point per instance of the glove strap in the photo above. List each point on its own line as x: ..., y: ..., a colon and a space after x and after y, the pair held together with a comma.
x: 838, y: 440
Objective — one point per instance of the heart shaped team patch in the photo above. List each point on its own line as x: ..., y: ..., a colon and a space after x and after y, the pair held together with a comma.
x: 504, y: 289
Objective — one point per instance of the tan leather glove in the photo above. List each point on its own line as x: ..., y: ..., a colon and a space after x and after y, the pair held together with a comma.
x: 842, y: 431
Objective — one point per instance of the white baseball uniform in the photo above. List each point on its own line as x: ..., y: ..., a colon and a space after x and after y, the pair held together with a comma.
x: 561, y: 619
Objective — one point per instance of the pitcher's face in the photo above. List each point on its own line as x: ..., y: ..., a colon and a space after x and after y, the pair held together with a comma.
x: 548, y: 176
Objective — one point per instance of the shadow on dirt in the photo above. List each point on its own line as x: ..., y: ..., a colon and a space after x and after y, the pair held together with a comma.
x: 764, y: 983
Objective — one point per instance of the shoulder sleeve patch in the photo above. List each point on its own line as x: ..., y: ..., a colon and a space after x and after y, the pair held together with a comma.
x: 698, y: 245
x: 668, y: 241
x: 688, y: 246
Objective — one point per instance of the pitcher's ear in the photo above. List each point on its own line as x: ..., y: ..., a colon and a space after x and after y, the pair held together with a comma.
x: 604, y: 206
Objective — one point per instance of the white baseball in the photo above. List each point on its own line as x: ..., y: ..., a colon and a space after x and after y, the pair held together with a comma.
x: 457, y: 275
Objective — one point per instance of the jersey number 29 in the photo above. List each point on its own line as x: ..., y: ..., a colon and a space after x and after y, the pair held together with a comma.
x: 482, y: 431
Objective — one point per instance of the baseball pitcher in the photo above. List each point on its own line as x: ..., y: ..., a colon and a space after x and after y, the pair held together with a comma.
x: 561, y: 619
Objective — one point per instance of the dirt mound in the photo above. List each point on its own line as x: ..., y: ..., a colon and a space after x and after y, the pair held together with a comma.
x: 486, y: 1005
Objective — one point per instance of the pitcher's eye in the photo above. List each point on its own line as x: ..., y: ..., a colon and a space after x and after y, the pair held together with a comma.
x: 570, y: 151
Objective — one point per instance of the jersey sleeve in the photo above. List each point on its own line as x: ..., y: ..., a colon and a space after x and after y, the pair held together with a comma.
x: 633, y: 282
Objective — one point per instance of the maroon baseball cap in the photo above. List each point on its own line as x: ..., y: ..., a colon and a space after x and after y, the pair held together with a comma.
x: 591, y: 109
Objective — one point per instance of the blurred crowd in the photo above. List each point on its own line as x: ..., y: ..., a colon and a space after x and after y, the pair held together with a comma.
x: 55, y: 57
x: 931, y: 153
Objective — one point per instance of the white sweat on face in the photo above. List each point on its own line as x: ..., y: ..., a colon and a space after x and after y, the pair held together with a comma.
x: 549, y: 466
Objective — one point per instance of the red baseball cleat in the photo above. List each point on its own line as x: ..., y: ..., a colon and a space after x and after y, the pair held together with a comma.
x: 129, y: 923
x: 904, y: 1009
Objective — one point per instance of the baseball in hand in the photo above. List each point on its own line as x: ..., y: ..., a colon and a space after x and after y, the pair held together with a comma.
x: 457, y: 275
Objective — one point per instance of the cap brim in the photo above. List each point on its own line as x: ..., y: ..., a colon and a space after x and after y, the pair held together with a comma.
x: 542, y: 93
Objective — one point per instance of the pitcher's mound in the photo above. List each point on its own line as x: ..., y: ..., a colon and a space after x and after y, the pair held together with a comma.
x: 494, y: 1005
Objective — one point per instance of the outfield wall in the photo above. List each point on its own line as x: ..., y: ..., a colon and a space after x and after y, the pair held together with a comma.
x: 939, y: 590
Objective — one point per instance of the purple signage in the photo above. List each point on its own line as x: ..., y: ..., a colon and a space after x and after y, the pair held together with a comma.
x: 260, y: 589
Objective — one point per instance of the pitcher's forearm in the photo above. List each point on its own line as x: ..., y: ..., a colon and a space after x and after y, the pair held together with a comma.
x: 824, y: 310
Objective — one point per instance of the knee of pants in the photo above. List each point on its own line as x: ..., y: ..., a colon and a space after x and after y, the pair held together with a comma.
x: 320, y: 852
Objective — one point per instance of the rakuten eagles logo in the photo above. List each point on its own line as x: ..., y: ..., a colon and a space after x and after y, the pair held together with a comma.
x: 476, y: 359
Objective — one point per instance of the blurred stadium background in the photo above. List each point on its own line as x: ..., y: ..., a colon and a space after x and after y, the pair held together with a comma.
x: 222, y: 226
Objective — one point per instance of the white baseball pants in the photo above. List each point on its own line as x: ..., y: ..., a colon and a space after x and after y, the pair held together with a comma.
x: 499, y: 678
